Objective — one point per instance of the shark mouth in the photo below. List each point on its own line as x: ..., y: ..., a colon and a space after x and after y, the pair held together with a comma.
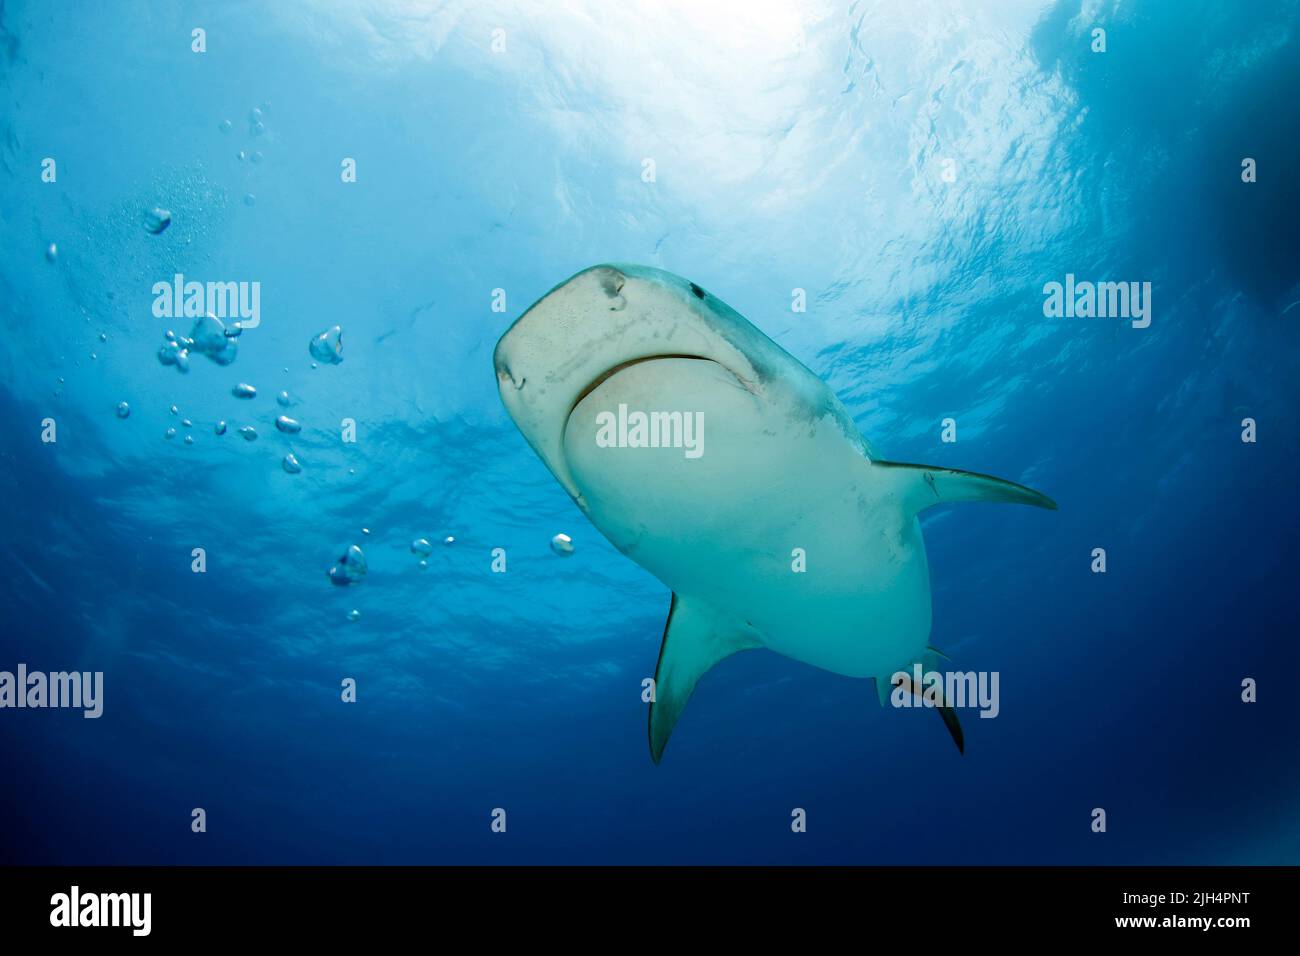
x: 609, y: 373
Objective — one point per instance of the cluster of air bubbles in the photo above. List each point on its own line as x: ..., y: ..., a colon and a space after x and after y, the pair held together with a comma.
x: 173, y: 353
x: 157, y: 219
x: 328, y: 346
x: 208, y: 336
x: 349, y: 569
x: 562, y: 545
x: 256, y: 126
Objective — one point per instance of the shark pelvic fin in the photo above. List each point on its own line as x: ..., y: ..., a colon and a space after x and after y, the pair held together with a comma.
x: 920, y: 486
x: 883, y: 687
x: 886, y: 684
x: 954, y: 728
x: 694, y: 640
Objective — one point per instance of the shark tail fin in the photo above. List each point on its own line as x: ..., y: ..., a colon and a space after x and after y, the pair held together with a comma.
x: 694, y: 640
x: 920, y: 486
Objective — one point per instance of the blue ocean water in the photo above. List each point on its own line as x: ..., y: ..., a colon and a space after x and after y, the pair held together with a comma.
x: 921, y: 171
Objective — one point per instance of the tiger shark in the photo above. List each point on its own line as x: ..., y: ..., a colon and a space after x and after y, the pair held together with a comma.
x: 785, y: 530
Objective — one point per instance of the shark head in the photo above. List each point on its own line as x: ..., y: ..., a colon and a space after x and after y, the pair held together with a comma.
x: 594, y: 325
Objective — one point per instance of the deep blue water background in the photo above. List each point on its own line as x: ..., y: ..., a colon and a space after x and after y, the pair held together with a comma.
x: 795, y: 146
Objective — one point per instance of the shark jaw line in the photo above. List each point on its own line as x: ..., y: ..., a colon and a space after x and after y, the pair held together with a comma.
x: 604, y: 377
x: 609, y: 373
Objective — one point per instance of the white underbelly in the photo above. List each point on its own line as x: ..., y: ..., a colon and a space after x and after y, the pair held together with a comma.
x: 763, y: 517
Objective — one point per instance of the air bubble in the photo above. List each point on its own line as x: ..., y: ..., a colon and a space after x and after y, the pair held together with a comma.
x: 350, y: 568
x: 157, y: 219
x: 328, y: 346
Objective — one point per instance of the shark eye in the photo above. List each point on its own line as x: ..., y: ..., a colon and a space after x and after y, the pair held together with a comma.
x: 699, y: 293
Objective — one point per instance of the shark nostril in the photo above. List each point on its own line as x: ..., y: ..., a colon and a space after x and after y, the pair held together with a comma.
x: 611, y: 281
x: 505, y: 375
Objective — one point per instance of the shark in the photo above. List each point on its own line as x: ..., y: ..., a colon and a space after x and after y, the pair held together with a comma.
x: 783, y: 530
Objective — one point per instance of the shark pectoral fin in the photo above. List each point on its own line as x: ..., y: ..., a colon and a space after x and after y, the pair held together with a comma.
x: 694, y: 640
x: 920, y: 486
